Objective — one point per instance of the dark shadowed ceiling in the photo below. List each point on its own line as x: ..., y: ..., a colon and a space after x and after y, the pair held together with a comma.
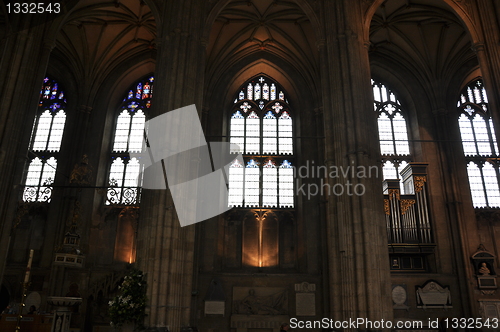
x: 423, y: 35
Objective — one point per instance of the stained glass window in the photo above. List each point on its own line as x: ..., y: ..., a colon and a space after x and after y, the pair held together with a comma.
x: 392, y: 130
x: 46, y: 139
x: 124, y: 175
x: 261, y: 125
x: 479, y: 144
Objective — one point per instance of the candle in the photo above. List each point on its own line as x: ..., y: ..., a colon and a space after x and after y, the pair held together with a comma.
x: 28, y: 269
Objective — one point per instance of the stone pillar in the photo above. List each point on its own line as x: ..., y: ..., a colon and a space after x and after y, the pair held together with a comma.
x: 488, y: 54
x: 453, y: 176
x: 164, y: 249
x: 358, y: 268
x: 23, y: 62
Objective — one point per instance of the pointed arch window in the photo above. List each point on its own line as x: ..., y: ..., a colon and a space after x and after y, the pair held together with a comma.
x: 124, y: 180
x: 45, y: 143
x: 480, y: 145
x: 262, y: 127
x: 392, y: 129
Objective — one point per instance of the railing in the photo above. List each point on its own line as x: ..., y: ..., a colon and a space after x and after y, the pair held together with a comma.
x: 407, y: 215
x: 123, y: 196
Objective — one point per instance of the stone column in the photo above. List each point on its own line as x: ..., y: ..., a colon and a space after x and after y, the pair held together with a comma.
x: 358, y: 268
x: 164, y: 249
x: 23, y: 62
x: 488, y: 54
x: 462, y: 233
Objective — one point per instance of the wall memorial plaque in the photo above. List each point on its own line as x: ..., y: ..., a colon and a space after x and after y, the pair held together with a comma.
x: 215, y: 307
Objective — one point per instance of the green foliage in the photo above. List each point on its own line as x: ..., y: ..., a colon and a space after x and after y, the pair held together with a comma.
x: 130, y: 305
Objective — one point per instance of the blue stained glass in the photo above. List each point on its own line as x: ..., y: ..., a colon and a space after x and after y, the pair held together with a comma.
x: 269, y: 115
x: 252, y: 164
x: 152, y: 79
x: 133, y: 105
x: 130, y: 94
x: 45, y: 80
x: 61, y: 95
x: 286, y: 164
x: 55, y: 106
x: 237, y: 115
x: 138, y: 92
x: 54, y: 91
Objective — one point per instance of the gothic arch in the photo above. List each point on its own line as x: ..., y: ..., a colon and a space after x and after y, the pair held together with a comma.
x: 281, y: 31
x: 303, y: 4
x: 80, y: 40
x: 112, y: 91
x: 456, y: 9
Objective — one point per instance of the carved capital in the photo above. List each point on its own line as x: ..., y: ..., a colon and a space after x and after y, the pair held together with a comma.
x: 387, y: 209
x: 406, y: 204
x: 419, y: 182
x: 394, y: 193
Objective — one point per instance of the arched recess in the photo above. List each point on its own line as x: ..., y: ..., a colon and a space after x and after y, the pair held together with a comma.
x: 97, y: 38
x: 425, y: 40
x: 458, y: 10
x: 220, y: 92
x: 279, y: 31
x: 409, y: 98
x: 111, y: 92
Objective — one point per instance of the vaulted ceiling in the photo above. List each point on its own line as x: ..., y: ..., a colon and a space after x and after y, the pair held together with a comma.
x: 98, y: 35
x: 246, y: 27
x: 424, y: 36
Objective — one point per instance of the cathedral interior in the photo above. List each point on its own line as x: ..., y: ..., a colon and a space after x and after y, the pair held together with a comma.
x: 367, y: 184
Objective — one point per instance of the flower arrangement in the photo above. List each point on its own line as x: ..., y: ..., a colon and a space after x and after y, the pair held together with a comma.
x: 130, y: 305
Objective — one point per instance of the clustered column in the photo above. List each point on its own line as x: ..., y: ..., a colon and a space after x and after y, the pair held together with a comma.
x: 357, y: 241
x: 164, y: 249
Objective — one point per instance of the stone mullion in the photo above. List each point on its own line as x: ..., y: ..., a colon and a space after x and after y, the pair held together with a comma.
x: 165, y: 250
x: 354, y: 229
x: 22, y: 69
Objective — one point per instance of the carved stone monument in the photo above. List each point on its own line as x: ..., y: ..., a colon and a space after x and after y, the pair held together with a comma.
x: 400, y: 297
x: 259, y: 307
x: 484, y: 263
x: 433, y: 295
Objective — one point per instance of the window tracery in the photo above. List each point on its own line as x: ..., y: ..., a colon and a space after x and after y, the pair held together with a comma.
x: 393, y: 134
x: 46, y: 139
x: 124, y: 176
x: 479, y: 145
x: 262, y: 128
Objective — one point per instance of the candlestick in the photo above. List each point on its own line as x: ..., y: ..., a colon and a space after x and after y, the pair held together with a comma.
x: 28, y: 270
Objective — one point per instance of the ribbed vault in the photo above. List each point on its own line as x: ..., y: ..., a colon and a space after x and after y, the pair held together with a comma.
x: 247, y: 27
x: 424, y: 36
x: 98, y: 36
